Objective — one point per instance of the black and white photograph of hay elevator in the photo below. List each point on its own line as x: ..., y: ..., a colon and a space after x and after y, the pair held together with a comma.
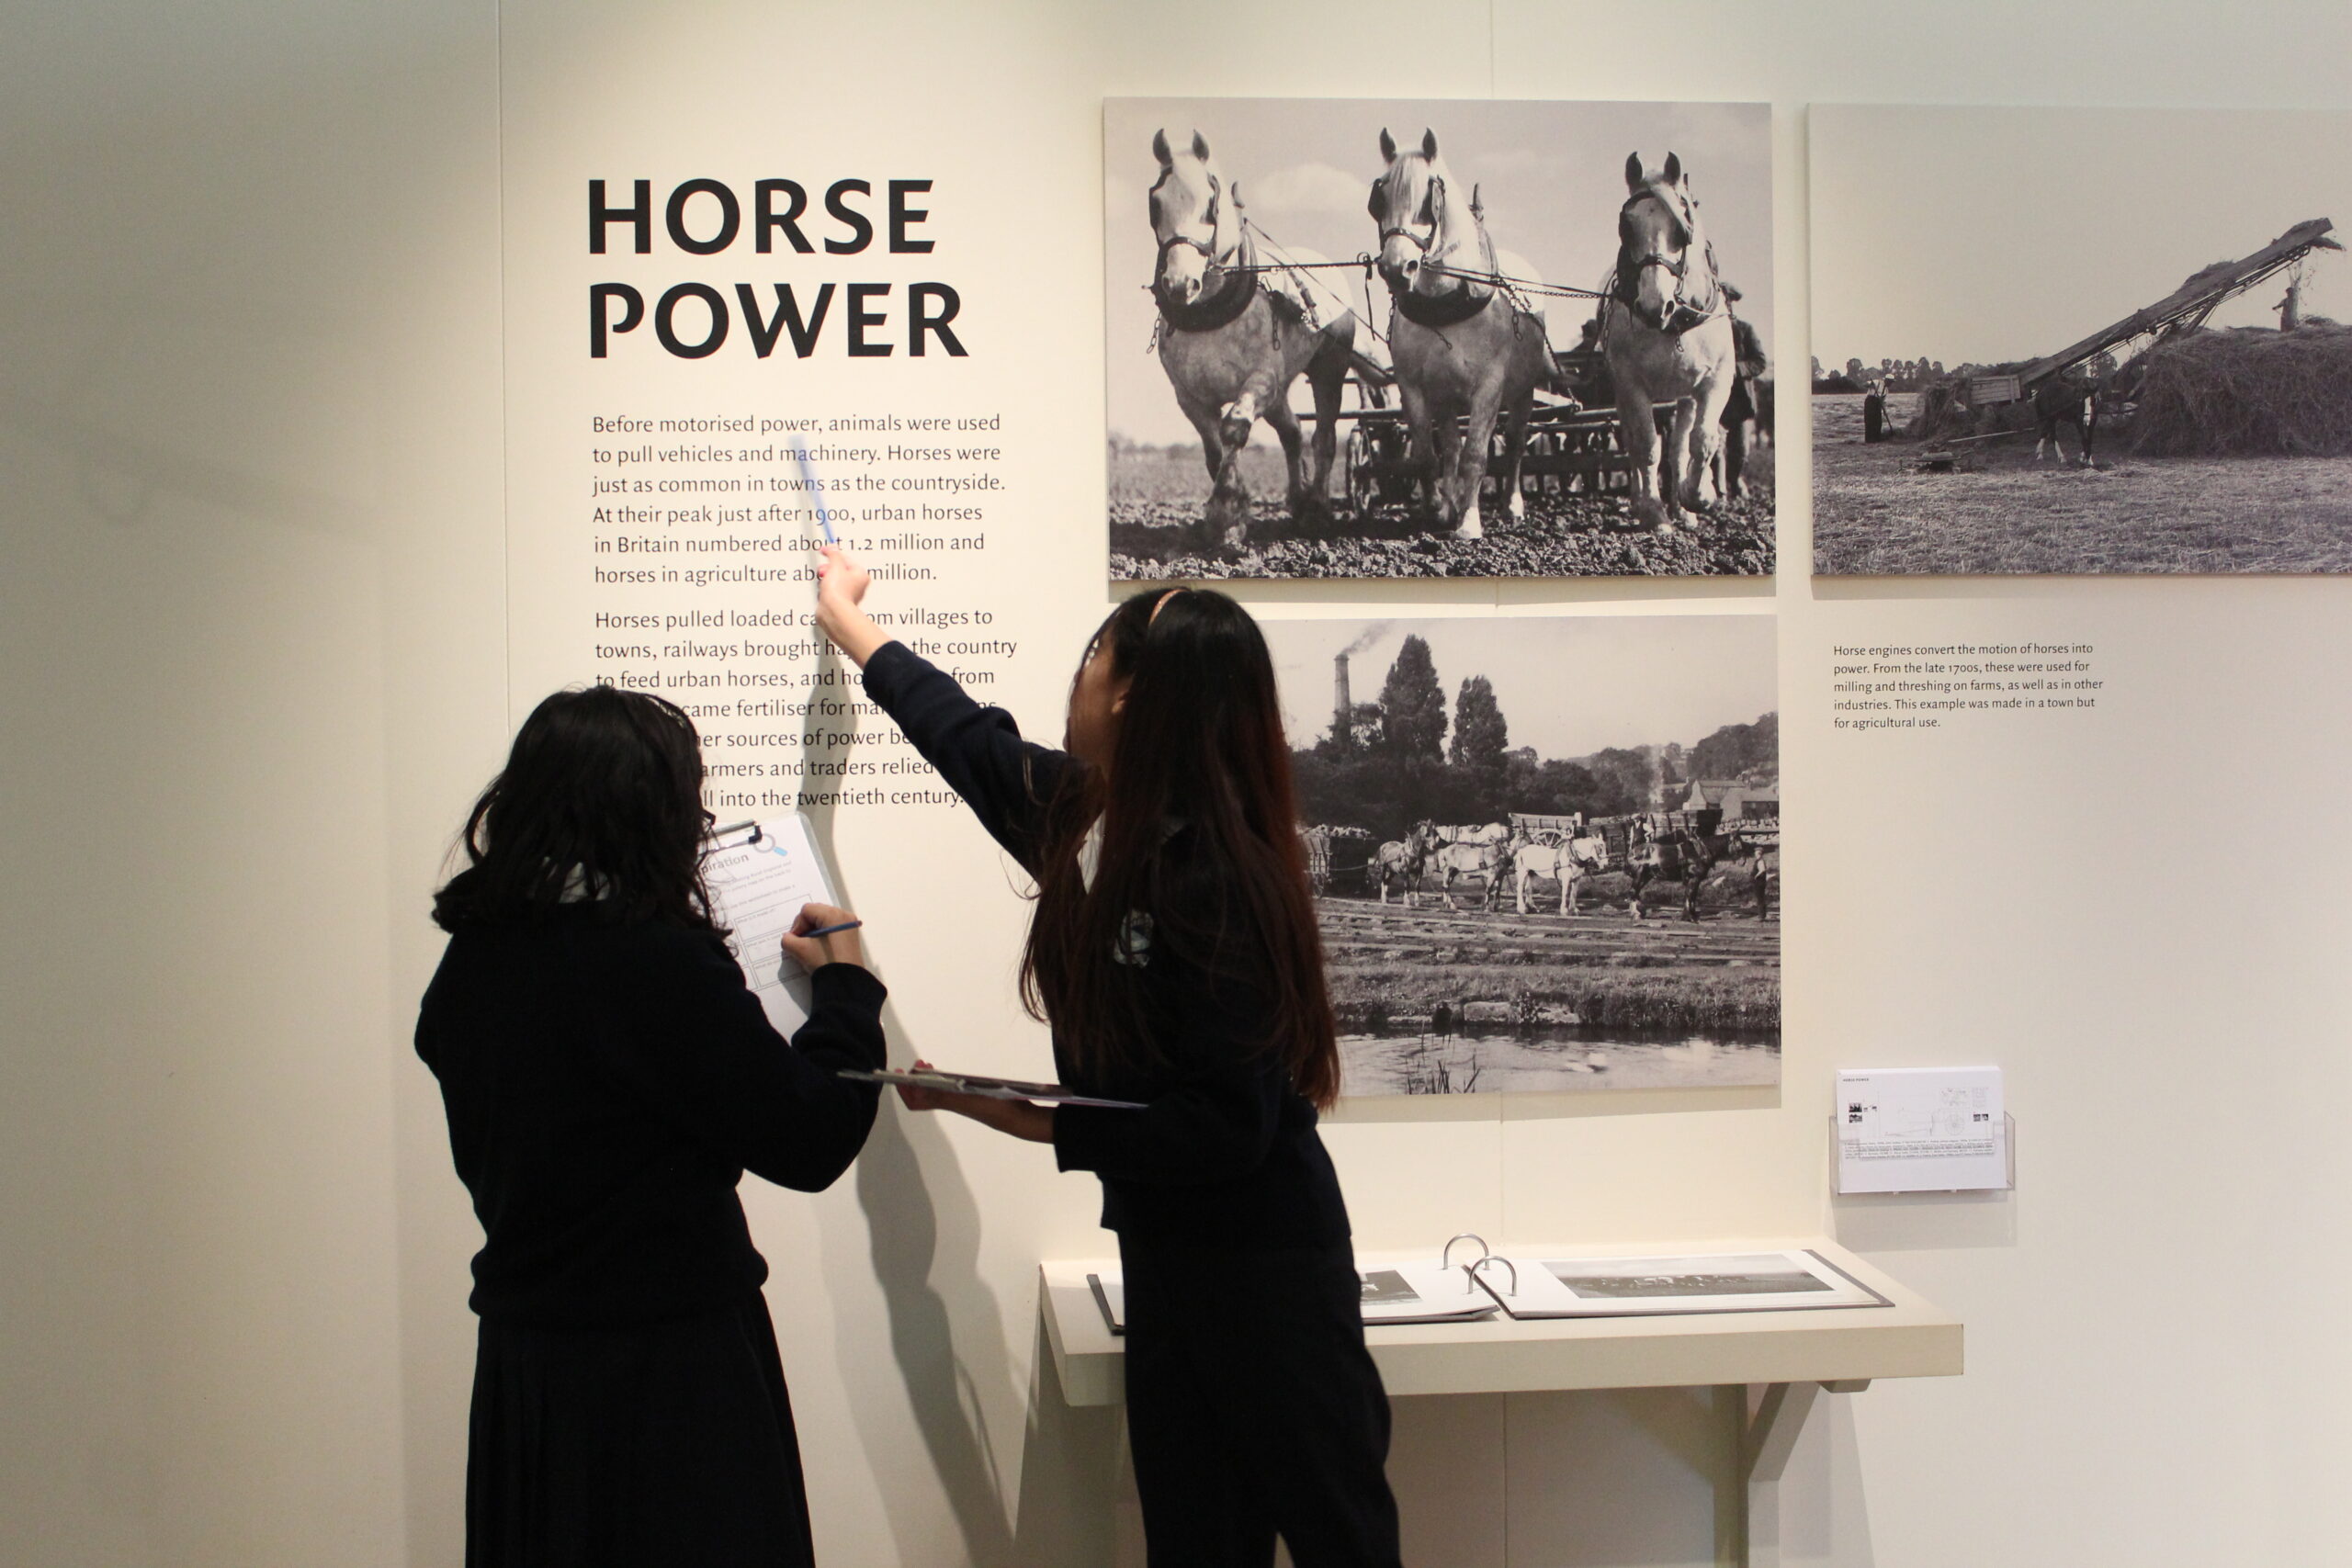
x: 2080, y: 341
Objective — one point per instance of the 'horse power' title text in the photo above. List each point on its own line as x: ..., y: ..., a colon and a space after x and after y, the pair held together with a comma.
x: 702, y: 217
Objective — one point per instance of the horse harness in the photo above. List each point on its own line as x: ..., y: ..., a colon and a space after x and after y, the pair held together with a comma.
x: 1218, y: 307
x: 1225, y: 304
x: 1680, y: 315
x: 1457, y: 304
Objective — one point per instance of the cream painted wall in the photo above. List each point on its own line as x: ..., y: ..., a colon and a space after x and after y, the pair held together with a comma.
x: 249, y: 491
x: 254, y: 595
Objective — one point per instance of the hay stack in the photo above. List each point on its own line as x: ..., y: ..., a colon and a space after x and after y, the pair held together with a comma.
x: 2247, y: 392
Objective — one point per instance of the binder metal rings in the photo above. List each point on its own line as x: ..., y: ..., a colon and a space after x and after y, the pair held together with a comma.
x: 1474, y: 1270
x: 1446, y: 1258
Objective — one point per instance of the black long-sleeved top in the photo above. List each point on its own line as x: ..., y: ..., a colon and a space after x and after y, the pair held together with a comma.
x: 608, y: 1085
x: 1226, y: 1155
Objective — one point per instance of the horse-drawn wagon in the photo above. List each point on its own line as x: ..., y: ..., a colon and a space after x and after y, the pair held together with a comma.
x: 1546, y: 828
x: 1338, y: 859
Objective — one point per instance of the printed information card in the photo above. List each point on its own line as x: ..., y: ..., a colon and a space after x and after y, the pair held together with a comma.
x: 1921, y: 1130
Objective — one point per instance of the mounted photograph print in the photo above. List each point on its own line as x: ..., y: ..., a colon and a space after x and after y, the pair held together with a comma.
x: 1796, y: 1279
x: 2080, y: 341
x: 1546, y: 849
x: 1449, y: 338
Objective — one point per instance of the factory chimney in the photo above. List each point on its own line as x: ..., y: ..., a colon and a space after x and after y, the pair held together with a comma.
x: 1343, y: 711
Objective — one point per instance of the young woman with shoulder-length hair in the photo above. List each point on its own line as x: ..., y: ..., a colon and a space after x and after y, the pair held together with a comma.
x: 1174, y: 951
x: 608, y: 1077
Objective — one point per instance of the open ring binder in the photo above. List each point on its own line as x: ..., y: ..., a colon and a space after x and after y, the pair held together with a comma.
x: 1445, y: 1257
x: 1474, y: 1270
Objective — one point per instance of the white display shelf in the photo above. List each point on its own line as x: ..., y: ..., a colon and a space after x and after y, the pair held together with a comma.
x: 1769, y: 1366
x: 1912, y: 1338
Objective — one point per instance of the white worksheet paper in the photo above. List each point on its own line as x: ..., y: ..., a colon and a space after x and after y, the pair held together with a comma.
x: 759, y: 876
x: 1921, y: 1130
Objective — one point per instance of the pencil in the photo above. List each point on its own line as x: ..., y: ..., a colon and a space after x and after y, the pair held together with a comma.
x: 808, y: 478
x: 828, y: 930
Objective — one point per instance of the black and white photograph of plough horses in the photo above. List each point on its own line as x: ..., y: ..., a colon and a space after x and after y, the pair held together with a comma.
x: 2061, y: 340
x: 1438, y: 339
x: 1546, y: 849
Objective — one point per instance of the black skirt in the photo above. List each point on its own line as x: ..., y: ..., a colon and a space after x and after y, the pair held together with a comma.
x: 1253, y: 1408
x: 670, y: 1443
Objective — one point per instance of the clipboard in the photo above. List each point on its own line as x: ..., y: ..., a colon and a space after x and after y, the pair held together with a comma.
x: 986, y: 1088
x: 760, y: 873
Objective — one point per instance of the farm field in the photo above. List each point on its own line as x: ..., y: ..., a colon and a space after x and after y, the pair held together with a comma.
x: 1493, y: 1063
x: 1669, y: 1002
x: 1874, y: 513
x: 1156, y: 501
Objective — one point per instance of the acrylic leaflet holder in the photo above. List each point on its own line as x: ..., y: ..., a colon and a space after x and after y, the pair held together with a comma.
x: 1987, y: 1165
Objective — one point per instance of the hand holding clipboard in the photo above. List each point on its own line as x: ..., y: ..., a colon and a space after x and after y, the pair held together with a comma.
x: 925, y: 1087
x: 1004, y: 1104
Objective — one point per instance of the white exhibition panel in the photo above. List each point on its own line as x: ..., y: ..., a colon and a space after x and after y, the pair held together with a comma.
x: 293, y: 430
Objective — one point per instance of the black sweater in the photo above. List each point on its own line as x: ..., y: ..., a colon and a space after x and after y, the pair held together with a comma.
x: 608, y: 1085
x: 1226, y: 1154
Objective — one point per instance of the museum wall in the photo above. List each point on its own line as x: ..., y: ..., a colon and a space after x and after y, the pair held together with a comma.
x: 288, y: 446
x: 252, y: 599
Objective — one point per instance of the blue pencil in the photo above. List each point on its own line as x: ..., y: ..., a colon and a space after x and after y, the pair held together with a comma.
x: 828, y: 930
x: 808, y: 478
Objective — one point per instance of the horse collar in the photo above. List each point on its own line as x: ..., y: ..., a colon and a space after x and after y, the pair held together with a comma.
x: 1681, y: 315
x: 1211, y: 310
x: 1450, y: 309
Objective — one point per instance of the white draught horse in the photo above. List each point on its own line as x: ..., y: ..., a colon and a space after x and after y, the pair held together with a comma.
x: 1483, y: 851
x: 1401, y: 861
x: 1232, y: 340
x: 1462, y: 348
x: 1566, y: 860
x: 1666, y: 330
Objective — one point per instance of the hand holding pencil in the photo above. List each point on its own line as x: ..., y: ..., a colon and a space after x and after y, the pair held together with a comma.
x: 816, y: 494
x: 823, y: 934
x: 841, y: 591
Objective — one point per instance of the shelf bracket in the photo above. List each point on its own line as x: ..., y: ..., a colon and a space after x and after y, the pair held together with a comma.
x: 1770, y: 1419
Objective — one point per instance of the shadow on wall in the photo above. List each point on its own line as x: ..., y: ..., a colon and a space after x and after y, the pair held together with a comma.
x: 948, y: 1349
x: 904, y: 1232
x: 920, y: 1225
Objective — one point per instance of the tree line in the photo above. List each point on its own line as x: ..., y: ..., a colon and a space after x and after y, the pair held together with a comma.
x: 1402, y: 760
x: 1899, y: 375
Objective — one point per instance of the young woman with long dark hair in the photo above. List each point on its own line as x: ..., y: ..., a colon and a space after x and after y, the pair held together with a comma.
x: 1174, y: 951
x: 608, y: 1077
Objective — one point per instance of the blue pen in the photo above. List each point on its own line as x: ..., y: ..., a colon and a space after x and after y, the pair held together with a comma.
x: 808, y: 478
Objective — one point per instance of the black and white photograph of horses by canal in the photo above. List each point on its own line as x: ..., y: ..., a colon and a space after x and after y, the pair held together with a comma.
x: 2066, y: 340
x: 1449, y: 338
x: 1546, y: 849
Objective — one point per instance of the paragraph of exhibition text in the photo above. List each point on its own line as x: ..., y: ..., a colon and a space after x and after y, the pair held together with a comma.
x: 1894, y: 687
x: 700, y: 536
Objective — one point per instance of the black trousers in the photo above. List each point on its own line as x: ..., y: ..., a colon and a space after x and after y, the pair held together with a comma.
x: 665, y: 1446
x: 1253, y: 1409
